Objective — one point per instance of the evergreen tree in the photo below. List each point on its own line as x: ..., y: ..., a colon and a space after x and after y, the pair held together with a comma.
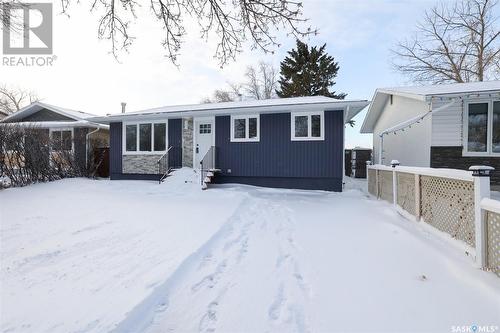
x: 308, y: 72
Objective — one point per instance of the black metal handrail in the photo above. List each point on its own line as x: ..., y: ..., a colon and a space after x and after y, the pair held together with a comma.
x: 163, y: 167
x: 208, y: 163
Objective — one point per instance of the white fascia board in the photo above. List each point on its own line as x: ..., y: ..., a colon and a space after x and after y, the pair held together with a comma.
x: 20, y: 112
x: 378, y: 102
x: 35, y: 107
x: 56, y: 124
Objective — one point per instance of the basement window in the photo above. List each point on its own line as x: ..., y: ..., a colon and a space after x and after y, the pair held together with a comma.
x: 307, y: 126
x: 145, y: 138
x: 245, y: 128
x: 482, y: 128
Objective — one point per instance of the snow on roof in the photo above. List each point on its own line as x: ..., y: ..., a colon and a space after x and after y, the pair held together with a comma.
x: 241, y: 104
x: 424, y: 94
x: 70, y: 112
x: 444, y: 89
x: 227, y: 107
x: 37, y: 106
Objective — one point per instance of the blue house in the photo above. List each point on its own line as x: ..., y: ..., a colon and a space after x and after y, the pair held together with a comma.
x: 288, y: 143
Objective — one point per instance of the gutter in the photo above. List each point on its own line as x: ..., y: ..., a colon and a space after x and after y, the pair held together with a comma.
x: 406, y: 124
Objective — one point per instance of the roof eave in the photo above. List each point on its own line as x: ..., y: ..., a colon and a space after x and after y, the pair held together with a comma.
x: 17, y: 114
x: 340, y: 105
x: 418, y: 97
x: 56, y: 124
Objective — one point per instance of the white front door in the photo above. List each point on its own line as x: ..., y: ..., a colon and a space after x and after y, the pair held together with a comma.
x: 204, y: 129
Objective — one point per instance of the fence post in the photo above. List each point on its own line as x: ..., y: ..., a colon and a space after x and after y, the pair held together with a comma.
x: 394, y: 164
x: 368, y: 163
x: 481, y: 176
x: 417, y: 197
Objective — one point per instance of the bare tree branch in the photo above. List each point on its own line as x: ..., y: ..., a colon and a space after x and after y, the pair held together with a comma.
x: 232, y: 21
x: 10, y: 19
x: 261, y: 82
x: 13, y: 99
x: 458, y: 43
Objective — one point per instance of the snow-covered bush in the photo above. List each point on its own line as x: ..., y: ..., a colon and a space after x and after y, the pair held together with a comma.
x: 29, y: 155
x: 5, y: 182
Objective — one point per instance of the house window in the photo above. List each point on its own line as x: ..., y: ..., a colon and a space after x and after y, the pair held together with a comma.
x: 495, y: 140
x: 160, y: 139
x: 62, y: 140
x: 245, y: 128
x: 307, y: 126
x: 131, y: 137
x: 205, y: 128
x: 145, y: 138
x: 482, y: 128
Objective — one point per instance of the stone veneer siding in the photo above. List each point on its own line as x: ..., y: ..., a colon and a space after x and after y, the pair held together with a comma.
x: 187, y: 142
x: 140, y: 164
x: 451, y: 157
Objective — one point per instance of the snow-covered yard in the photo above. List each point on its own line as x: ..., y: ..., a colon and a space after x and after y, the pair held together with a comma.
x: 91, y: 256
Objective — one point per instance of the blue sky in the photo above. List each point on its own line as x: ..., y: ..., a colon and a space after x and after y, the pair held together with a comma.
x: 358, y: 33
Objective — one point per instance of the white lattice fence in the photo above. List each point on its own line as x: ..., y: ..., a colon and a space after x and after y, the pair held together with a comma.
x: 385, y: 190
x: 493, y: 242
x: 406, y: 192
x: 448, y: 205
x: 372, y: 182
x: 455, y: 202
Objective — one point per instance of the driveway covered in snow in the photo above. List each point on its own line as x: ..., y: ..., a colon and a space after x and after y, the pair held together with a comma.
x: 95, y: 256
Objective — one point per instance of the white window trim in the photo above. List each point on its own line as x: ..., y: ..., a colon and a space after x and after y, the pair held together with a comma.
x: 247, y: 125
x: 489, y: 134
x: 61, y: 129
x: 137, y: 151
x: 309, y: 137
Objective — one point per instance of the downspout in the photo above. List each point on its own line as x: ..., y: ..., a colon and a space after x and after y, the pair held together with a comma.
x: 406, y: 124
x: 87, y: 143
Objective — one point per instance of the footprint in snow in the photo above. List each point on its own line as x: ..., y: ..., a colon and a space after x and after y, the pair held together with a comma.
x: 275, y: 309
x: 281, y: 260
x: 209, y: 320
x: 210, y: 280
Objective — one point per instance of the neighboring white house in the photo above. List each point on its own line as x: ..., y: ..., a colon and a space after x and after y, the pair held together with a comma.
x: 458, y: 125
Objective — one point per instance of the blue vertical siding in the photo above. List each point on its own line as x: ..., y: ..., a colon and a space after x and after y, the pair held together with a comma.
x: 175, y: 140
x: 115, y: 150
x: 277, y: 160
